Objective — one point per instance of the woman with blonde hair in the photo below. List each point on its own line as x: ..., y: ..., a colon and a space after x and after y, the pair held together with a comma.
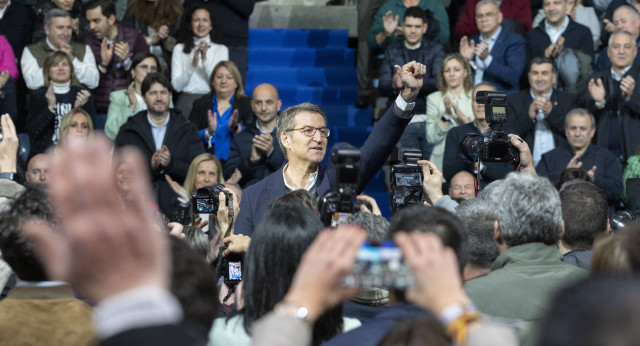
x: 76, y: 123
x: 47, y: 105
x: 449, y: 106
x: 220, y: 114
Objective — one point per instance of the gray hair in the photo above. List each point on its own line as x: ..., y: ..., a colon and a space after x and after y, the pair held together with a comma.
x: 621, y: 32
x: 286, y: 120
x: 527, y: 208
x: 632, y: 10
x: 375, y: 225
x: 582, y: 112
x: 484, y: 2
x: 478, y: 218
x: 55, y: 13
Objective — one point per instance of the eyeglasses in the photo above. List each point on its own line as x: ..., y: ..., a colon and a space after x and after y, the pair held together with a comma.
x: 311, y: 131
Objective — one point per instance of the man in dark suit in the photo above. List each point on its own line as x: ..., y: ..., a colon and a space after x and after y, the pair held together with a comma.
x: 614, y: 100
x: 167, y: 140
x: 302, y: 135
x: 497, y: 55
x: 537, y: 114
x: 602, y: 167
x: 255, y: 151
x: 455, y: 161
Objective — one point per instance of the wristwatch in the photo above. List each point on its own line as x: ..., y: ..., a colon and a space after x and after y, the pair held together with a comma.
x: 8, y: 175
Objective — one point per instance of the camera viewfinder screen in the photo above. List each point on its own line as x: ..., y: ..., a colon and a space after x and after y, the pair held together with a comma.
x: 499, y: 110
x: 348, y: 175
x: 204, y: 206
x: 408, y: 179
x: 235, y: 270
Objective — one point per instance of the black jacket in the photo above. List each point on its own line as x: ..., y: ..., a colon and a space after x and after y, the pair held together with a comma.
x: 200, y: 107
x: 626, y: 112
x: 183, y: 142
x: 241, y: 151
x: 575, y: 36
x: 518, y: 115
x: 40, y: 122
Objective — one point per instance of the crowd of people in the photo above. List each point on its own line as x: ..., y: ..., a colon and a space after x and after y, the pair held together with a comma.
x: 144, y: 198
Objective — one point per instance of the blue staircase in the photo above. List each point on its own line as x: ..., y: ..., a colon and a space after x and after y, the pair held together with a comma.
x: 315, y: 66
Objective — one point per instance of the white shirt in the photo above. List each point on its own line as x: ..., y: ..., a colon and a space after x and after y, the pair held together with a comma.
x: 4, y: 9
x: 615, y: 76
x: 482, y: 65
x: 543, y: 138
x: 86, y: 69
x: 554, y: 34
x: 158, y: 132
x: 187, y: 79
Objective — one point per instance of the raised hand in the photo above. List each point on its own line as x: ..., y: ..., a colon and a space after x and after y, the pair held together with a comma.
x: 103, y: 248
x: 574, y: 162
x: 526, y: 159
x: 131, y: 94
x: 411, y: 75
x: 81, y: 98
x: 592, y: 173
x: 482, y: 50
x: 51, y: 98
x: 235, y: 177
x: 212, y: 120
x: 8, y: 145
x: 431, y: 180
x: 122, y: 50
x: 106, y: 52
x: 65, y: 47
x: 233, y: 122
x: 610, y: 27
x: 177, y: 188
x: 467, y: 48
x: 4, y: 77
x: 596, y: 90
x: 390, y: 22
x: 375, y: 210
x: 627, y: 84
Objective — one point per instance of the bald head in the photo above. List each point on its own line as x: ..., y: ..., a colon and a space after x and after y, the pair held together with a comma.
x: 38, y: 169
x: 266, y: 104
x: 462, y: 185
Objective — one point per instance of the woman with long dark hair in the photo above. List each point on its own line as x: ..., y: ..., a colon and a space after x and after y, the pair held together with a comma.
x: 276, y: 247
x: 198, y: 51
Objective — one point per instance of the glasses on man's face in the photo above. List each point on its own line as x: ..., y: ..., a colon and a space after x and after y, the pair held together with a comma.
x: 311, y: 131
x: 487, y: 15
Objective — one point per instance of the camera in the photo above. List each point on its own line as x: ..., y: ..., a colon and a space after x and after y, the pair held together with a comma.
x: 494, y: 145
x: 622, y: 219
x: 231, y: 267
x: 335, y: 206
x: 206, y: 200
x: 406, y: 180
x: 379, y: 266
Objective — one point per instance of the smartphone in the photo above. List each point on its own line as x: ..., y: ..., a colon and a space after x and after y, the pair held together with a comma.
x: 380, y: 267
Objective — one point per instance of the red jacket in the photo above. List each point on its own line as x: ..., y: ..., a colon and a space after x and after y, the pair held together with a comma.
x: 513, y: 12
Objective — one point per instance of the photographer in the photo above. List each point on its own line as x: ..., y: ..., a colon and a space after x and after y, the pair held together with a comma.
x: 454, y: 159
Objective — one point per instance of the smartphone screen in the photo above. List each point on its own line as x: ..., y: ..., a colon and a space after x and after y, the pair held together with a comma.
x: 379, y: 266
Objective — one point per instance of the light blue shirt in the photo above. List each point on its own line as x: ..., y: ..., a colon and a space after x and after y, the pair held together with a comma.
x: 482, y: 65
x: 543, y: 138
x: 158, y: 132
x: 554, y: 34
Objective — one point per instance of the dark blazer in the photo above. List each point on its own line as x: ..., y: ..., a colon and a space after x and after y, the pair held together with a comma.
x: 508, y: 62
x: 608, y: 175
x: 627, y: 113
x: 16, y: 26
x: 373, y: 155
x: 183, y: 142
x: 241, y: 151
x: 40, y: 121
x: 574, y: 37
x: 518, y: 115
x: 203, y: 104
x: 454, y: 161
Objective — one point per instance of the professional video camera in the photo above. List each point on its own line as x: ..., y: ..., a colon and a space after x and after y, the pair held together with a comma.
x: 206, y: 200
x: 494, y: 145
x: 623, y: 218
x: 406, y: 180
x: 336, y: 206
